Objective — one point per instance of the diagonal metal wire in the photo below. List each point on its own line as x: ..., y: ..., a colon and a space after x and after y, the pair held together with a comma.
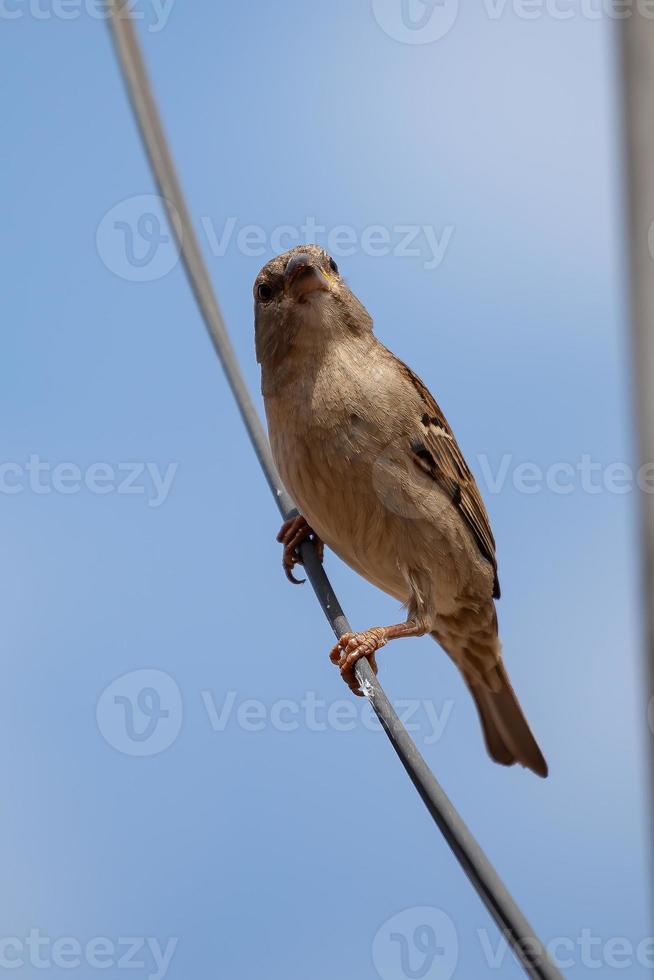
x: 506, y: 913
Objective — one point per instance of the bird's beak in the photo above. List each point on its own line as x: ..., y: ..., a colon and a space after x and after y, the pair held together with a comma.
x: 304, y: 276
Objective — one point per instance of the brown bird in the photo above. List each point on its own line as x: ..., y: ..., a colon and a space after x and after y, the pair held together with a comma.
x: 376, y: 473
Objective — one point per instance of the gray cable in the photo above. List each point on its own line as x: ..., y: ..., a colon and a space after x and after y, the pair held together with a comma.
x: 637, y: 37
x: 512, y: 923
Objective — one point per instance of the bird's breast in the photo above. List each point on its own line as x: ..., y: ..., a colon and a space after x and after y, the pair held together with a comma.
x: 332, y: 464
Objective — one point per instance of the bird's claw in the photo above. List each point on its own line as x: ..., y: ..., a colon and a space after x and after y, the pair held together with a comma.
x: 351, y: 647
x: 292, y: 533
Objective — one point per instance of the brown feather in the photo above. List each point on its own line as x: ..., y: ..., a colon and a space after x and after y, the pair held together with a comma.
x: 436, y: 452
x: 507, y: 734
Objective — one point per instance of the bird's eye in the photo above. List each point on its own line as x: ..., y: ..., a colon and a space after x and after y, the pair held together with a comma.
x: 333, y: 267
x: 264, y: 292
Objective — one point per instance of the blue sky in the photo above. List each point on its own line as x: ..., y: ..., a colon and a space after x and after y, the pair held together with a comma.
x: 260, y: 823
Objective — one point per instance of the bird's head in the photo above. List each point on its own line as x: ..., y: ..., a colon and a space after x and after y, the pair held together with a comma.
x: 302, y: 305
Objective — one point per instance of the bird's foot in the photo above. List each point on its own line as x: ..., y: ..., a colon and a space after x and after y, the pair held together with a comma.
x: 351, y: 647
x: 293, y: 532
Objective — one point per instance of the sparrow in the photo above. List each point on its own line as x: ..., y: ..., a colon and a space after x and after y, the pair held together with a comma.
x: 377, y: 475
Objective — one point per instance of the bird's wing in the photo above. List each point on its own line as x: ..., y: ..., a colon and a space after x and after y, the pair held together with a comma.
x: 435, y: 451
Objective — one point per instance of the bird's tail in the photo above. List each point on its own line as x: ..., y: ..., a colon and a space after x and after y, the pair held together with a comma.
x: 507, y: 734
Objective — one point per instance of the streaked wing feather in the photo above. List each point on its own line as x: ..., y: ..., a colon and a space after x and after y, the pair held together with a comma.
x: 436, y: 451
